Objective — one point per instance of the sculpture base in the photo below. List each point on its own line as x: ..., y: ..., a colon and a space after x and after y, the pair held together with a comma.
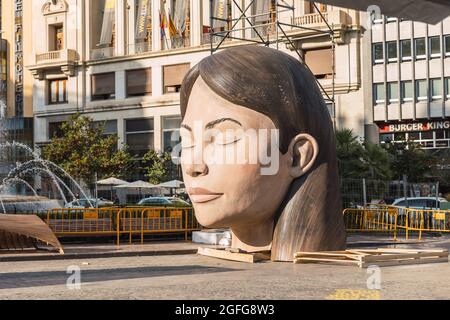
x: 234, y: 255
x: 212, y: 237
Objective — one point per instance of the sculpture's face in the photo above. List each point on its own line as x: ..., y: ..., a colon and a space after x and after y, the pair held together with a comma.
x: 225, y: 190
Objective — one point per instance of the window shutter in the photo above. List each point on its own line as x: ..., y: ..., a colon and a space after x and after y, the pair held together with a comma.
x: 139, y: 81
x: 173, y: 75
x: 103, y: 84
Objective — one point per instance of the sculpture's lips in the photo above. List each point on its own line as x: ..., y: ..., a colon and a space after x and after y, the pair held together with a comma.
x: 201, y: 195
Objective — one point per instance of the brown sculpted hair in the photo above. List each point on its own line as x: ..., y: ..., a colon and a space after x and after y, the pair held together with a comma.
x: 280, y: 87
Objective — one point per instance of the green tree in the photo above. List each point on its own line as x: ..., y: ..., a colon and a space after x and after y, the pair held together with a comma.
x: 83, y: 150
x: 377, y: 162
x: 157, y: 166
x: 408, y: 158
x: 350, y: 154
x: 441, y: 171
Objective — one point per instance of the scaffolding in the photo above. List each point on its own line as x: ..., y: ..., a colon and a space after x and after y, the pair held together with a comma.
x: 278, y: 37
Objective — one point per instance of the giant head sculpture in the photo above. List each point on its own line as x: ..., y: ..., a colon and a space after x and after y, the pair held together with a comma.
x: 258, y: 153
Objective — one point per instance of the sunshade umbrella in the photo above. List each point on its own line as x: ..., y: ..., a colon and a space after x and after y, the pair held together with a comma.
x: 111, y: 182
x: 428, y: 11
x: 174, y: 184
x: 138, y: 185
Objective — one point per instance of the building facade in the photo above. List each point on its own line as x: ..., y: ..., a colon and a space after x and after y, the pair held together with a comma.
x: 411, y: 81
x: 16, y: 81
x: 122, y: 62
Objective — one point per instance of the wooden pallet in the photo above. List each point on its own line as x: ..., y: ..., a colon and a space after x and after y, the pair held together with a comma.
x: 382, y: 257
x: 233, y: 255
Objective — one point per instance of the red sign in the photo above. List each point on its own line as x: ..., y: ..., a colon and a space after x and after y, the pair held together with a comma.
x: 415, y: 126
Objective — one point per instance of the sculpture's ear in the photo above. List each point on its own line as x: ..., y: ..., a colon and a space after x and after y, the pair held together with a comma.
x: 303, y: 153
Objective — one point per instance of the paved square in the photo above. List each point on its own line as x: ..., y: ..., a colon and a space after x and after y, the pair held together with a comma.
x: 196, y: 277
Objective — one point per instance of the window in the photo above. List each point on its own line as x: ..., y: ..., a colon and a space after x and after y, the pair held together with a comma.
x: 57, y: 91
x: 421, y: 90
x: 392, y: 51
x: 435, y: 47
x: 173, y: 77
x: 447, y: 46
x: 407, y: 91
x: 420, y: 48
x: 320, y: 62
x: 379, y: 93
x: 321, y: 7
x: 56, y: 37
x: 103, y: 86
x: 393, y: 92
x: 391, y: 19
x: 405, y: 47
x: 447, y: 87
x: 109, y: 126
x: 139, y: 82
x: 377, y: 17
x: 436, y: 88
x: 143, y: 26
x: 139, y: 136
x: 386, y: 138
x: 171, y: 133
x: 378, y: 55
x: 54, y: 130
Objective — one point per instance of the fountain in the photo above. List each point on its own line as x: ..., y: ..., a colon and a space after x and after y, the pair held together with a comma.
x: 13, y: 203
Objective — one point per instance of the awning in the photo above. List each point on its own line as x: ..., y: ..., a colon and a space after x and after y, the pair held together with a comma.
x: 428, y: 11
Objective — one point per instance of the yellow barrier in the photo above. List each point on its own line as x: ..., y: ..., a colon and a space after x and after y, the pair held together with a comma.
x: 119, y: 221
x: 382, y: 218
x: 427, y: 221
x: 155, y: 220
x: 72, y: 222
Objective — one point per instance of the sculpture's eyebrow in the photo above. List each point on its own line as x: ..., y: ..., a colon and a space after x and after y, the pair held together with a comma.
x: 212, y: 124
x: 185, y: 126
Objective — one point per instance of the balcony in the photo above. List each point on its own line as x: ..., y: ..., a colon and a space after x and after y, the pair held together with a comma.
x: 64, y: 60
x: 314, y: 25
x: 102, y: 53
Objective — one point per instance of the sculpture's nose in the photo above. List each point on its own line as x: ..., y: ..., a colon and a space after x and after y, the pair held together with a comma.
x: 196, y: 170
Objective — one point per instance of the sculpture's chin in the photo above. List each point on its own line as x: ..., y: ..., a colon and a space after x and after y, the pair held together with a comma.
x: 211, y: 222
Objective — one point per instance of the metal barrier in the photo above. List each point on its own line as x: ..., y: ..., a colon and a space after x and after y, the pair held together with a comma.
x: 426, y: 221
x: 119, y: 221
x: 144, y: 221
x: 382, y: 218
x: 72, y: 222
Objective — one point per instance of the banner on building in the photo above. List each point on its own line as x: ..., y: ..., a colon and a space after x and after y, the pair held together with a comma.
x: 220, y: 13
x: 173, y: 31
x: 262, y: 11
x: 108, y: 23
x: 179, y: 14
x: 144, y: 12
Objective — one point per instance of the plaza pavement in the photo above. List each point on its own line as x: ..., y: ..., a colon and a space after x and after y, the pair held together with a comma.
x: 188, y: 276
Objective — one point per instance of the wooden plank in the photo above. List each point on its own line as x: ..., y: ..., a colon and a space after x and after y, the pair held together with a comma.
x: 389, y: 250
x: 300, y: 260
x: 380, y: 257
x: 404, y: 256
x: 326, y: 254
x: 227, y: 255
x: 404, y: 262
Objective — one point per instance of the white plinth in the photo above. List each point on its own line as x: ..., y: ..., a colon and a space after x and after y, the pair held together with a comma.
x: 212, y: 237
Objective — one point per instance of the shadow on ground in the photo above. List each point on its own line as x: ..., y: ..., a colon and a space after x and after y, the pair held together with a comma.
x: 39, y: 279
